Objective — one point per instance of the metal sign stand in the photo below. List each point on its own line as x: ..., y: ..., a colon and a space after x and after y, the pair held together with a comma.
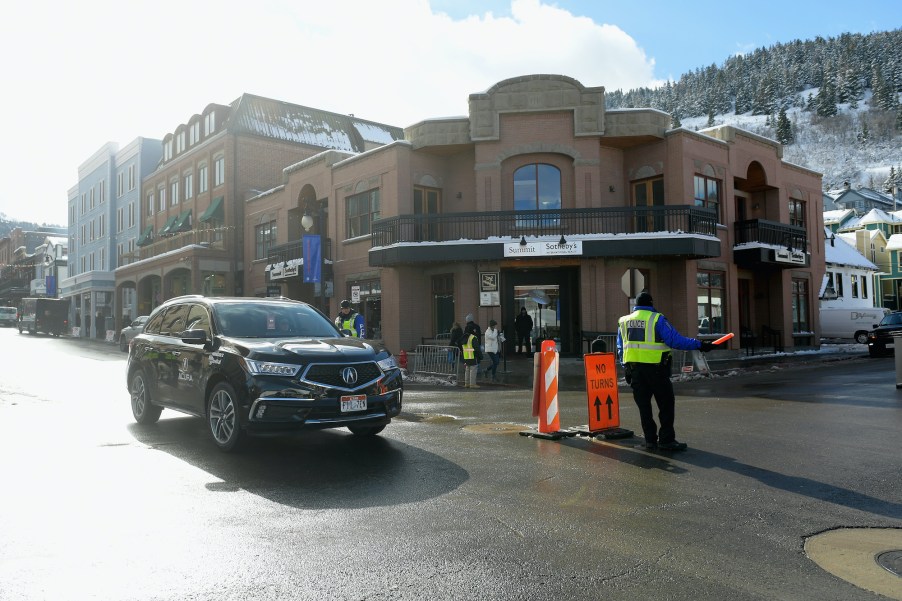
x: 692, y: 361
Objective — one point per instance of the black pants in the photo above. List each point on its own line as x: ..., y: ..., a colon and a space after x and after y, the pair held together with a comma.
x: 523, y: 342
x: 653, y: 380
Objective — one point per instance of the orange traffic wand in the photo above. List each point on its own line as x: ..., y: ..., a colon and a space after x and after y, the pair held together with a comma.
x: 723, y: 338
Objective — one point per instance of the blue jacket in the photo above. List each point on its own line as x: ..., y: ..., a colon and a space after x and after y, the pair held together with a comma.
x: 667, y: 333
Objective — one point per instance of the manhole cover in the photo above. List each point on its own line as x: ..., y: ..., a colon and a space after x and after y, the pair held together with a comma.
x: 891, y: 561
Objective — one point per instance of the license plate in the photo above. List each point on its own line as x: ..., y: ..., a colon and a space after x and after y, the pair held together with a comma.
x: 355, y: 402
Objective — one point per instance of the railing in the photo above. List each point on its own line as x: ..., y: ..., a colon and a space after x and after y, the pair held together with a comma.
x: 771, y: 232
x: 222, y: 238
x: 295, y: 250
x: 513, y: 224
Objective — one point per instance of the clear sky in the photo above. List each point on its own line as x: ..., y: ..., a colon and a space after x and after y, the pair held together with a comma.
x: 79, y: 74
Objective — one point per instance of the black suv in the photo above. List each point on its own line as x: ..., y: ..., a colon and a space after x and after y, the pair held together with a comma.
x: 881, y: 337
x: 259, y: 365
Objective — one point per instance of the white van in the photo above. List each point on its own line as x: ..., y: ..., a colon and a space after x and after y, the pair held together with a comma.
x: 850, y: 323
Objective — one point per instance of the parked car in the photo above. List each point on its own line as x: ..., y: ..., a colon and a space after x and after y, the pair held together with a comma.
x: 850, y: 323
x: 130, y: 331
x: 8, y: 316
x: 880, y: 339
x: 259, y: 366
x: 47, y: 315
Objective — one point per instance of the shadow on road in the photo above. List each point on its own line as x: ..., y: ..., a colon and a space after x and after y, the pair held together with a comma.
x: 329, y: 469
x: 626, y: 452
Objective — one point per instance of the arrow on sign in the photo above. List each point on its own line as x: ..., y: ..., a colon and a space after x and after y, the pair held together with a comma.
x: 610, y: 403
x: 598, y: 409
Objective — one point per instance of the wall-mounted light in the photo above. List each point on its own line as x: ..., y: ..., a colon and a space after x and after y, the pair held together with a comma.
x: 611, y: 189
x: 755, y: 206
x: 459, y: 195
x: 563, y: 240
x: 522, y: 240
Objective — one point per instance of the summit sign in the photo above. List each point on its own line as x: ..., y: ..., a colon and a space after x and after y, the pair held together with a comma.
x: 543, y: 249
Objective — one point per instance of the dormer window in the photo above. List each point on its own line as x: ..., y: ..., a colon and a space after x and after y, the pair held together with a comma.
x: 209, y: 123
x: 167, y: 150
x: 180, y: 142
x: 194, y: 133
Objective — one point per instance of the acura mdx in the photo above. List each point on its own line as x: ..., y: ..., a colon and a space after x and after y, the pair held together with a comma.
x: 259, y: 366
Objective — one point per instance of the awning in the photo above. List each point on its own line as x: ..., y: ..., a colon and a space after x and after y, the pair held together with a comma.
x: 183, y: 223
x: 214, y: 211
x: 146, y: 236
x: 166, y: 229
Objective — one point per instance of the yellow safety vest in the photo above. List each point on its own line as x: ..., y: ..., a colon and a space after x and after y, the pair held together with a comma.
x: 347, y: 323
x: 640, y: 343
x: 469, y: 350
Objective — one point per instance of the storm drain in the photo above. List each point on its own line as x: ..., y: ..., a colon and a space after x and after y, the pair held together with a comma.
x: 891, y: 561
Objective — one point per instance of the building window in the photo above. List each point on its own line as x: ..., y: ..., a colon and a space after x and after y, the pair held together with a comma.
x: 131, y: 214
x: 162, y: 194
x: 864, y: 286
x: 167, y: 150
x: 101, y: 192
x: 120, y: 219
x: 854, y: 282
x: 707, y: 193
x: 537, y: 187
x: 189, y: 186
x: 173, y: 193
x: 194, y: 133
x: 91, y: 199
x: 120, y: 184
x: 801, y: 321
x: 202, y: 182
x: 102, y: 259
x: 150, y: 204
x: 648, y: 193
x: 101, y: 226
x: 131, y: 177
x: 180, y: 142
x: 265, y: 238
x: 796, y: 212
x: 209, y: 124
x: 362, y: 210
x: 219, y: 171
x: 712, y: 293
x: 839, y: 287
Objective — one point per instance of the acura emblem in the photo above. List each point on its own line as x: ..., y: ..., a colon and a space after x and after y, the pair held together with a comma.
x: 349, y: 375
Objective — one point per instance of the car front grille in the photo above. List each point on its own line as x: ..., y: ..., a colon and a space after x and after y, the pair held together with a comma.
x: 330, y: 375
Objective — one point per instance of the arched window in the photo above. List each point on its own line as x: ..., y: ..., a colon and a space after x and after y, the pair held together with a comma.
x: 537, y: 186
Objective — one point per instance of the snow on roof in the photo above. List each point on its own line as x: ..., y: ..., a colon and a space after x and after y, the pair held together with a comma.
x: 894, y: 242
x: 837, y: 215
x: 843, y: 253
x: 878, y: 216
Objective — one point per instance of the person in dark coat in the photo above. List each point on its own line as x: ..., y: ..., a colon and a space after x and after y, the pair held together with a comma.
x: 456, y: 341
x: 523, y: 327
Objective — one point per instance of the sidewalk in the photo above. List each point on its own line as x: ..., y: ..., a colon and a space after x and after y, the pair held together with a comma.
x: 517, y: 371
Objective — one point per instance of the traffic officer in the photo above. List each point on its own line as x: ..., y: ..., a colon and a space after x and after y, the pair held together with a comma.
x: 349, y: 319
x: 471, y: 360
x: 644, y: 341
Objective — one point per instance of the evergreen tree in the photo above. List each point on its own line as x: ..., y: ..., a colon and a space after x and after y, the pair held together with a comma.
x: 784, y: 128
x: 675, y: 120
x: 826, y: 96
x: 711, y: 119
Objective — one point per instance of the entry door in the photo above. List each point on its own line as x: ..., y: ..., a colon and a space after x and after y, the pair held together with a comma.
x: 427, y: 201
x: 649, y: 193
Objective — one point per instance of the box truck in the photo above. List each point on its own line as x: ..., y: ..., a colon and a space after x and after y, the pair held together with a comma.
x: 47, y: 315
x: 850, y: 323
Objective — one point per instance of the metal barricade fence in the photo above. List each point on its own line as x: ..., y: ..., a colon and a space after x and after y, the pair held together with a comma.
x: 439, y: 361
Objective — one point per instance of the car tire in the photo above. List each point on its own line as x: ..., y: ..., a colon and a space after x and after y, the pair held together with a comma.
x: 222, y: 417
x: 123, y: 344
x: 366, y: 430
x: 143, y: 410
x: 861, y: 337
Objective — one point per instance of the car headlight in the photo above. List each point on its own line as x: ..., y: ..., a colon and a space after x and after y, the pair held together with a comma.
x: 267, y: 368
x: 387, y: 364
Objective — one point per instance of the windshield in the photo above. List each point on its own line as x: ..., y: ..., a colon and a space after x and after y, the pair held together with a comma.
x: 272, y: 320
x: 7, y: 311
x: 893, y: 319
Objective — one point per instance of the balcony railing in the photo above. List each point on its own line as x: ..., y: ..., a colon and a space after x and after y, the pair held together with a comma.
x: 295, y: 250
x: 514, y: 224
x: 771, y: 232
x: 222, y: 238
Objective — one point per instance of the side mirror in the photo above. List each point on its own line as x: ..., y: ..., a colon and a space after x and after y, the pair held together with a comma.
x: 194, y: 337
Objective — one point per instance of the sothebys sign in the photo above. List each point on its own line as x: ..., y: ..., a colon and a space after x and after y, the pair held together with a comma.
x: 543, y: 249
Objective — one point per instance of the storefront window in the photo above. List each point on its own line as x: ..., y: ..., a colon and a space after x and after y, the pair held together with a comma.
x: 711, y: 302
x: 800, y: 311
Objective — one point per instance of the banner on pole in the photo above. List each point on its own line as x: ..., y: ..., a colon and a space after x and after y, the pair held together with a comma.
x: 313, y: 265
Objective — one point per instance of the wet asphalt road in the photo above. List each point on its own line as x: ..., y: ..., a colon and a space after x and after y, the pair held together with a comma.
x: 450, y: 503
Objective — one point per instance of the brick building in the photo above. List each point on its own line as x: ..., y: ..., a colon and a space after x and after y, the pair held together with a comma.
x: 193, y: 204
x: 540, y: 198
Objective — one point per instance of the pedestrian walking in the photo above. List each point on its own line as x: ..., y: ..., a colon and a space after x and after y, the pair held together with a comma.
x: 523, y: 327
x: 644, y: 341
x: 493, y: 340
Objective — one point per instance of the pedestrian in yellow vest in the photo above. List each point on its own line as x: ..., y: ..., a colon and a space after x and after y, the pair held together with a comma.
x: 470, y: 362
x: 644, y: 340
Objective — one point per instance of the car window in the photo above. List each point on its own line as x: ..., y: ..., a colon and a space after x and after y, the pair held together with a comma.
x: 199, y: 319
x: 271, y: 320
x: 153, y: 324
x: 174, y: 320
